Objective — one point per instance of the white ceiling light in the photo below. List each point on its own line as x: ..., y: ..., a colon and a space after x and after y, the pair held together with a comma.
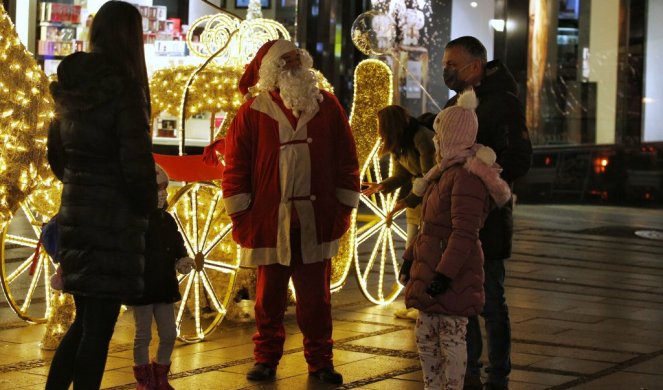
x: 497, y: 24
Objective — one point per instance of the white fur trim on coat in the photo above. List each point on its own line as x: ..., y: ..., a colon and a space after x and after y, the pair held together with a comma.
x: 278, y: 49
x: 253, y: 257
x: 419, y: 186
x: 295, y: 182
x: 483, y: 165
x: 236, y: 203
x: 348, y: 197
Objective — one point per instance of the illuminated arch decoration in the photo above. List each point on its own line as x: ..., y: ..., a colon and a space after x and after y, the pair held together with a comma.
x: 241, y: 47
x: 216, y: 31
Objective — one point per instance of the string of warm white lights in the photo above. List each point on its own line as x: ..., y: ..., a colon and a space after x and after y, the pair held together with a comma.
x: 26, y: 110
x: 218, y: 30
x: 372, y: 91
x: 60, y: 317
x: 214, y: 89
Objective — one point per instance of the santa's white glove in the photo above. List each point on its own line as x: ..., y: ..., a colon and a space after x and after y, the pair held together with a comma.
x: 184, y: 265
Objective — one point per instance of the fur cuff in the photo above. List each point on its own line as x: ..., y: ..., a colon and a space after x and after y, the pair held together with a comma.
x: 498, y: 189
x: 419, y: 186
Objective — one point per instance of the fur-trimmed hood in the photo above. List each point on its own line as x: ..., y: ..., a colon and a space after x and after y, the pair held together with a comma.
x: 86, y: 80
x: 482, y: 163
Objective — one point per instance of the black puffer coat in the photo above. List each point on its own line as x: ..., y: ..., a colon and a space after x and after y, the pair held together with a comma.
x: 100, y: 148
x: 502, y: 128
x: 163, y: 247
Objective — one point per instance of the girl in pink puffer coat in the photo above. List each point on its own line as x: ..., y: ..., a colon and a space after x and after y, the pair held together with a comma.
x: 443, y: 268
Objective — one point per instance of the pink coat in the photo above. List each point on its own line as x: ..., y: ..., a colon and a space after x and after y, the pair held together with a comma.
x: 454, y: 210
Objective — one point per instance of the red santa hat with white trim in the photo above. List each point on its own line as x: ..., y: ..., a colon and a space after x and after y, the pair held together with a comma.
x: 269, y: 51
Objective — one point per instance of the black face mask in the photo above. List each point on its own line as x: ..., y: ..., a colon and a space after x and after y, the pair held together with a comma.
x: 452, y: 81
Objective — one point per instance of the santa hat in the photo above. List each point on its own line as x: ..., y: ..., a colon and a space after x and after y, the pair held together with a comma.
x: 162, y: 176
x: 270, y: 51
x: 457, y: 126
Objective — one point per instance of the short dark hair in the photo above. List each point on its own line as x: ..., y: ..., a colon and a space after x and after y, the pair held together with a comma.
x: 471, y: 45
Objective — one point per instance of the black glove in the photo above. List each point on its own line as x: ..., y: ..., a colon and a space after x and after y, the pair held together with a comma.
x: 439, y: 285
x: 404, y: 273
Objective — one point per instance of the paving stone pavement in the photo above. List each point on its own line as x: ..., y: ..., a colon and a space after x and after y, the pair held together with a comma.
x: 586, y: 302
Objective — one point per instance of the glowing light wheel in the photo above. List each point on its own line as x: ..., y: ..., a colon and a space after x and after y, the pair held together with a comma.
x: 376, y: 239
x: 26, y: 271
x: 206, y: 292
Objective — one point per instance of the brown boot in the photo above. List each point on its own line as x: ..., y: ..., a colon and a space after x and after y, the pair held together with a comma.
x: 160, y: 372
x: 143, y: 374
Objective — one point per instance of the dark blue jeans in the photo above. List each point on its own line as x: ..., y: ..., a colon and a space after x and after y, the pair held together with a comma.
x: 498, y: 328
x: 81, y: 355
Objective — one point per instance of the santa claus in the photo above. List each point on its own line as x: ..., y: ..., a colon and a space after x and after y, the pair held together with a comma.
x: 290, y: 182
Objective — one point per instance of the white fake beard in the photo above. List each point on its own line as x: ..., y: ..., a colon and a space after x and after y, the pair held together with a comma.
x: 299, y: 90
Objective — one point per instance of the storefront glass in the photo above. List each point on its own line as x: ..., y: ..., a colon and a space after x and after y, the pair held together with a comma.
x: 588, y: 70
x: 588, y: 78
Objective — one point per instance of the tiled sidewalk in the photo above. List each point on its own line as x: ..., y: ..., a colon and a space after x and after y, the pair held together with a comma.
x: 586, y: 302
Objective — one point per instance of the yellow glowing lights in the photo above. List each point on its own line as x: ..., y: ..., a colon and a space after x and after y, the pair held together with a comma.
x: 373, y: 232
x: 215, y: 90
x: 215, y: 86
x: 206, y: 230
x: 60, y: 316
x: 26, y: 181
x: 372, y: 79
x: 23, y: 121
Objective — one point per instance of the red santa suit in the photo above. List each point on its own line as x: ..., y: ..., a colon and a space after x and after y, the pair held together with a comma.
x: 272, y: 167
x: 286, y: 174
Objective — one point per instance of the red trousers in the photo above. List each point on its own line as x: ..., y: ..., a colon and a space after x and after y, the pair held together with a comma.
x: 311, y: 283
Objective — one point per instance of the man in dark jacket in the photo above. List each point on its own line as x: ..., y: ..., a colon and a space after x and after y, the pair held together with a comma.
x: 501, y: 127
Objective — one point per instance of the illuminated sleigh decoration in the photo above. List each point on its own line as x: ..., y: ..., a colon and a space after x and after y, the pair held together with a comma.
x: 197, y: 206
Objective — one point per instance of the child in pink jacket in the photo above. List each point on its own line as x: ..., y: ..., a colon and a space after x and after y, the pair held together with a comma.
x: 443, y: 268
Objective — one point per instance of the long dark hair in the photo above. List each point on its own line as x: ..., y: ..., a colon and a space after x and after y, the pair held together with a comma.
x: 117, y: 32
x: 394, y: 129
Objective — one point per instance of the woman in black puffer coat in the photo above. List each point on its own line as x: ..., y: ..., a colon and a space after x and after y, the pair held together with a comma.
x: 99, y: 147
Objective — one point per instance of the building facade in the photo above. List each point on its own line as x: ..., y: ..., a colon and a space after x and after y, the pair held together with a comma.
x: 586, y: 69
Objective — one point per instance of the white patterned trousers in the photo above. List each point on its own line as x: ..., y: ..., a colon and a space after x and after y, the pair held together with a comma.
x: 442, y: 350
